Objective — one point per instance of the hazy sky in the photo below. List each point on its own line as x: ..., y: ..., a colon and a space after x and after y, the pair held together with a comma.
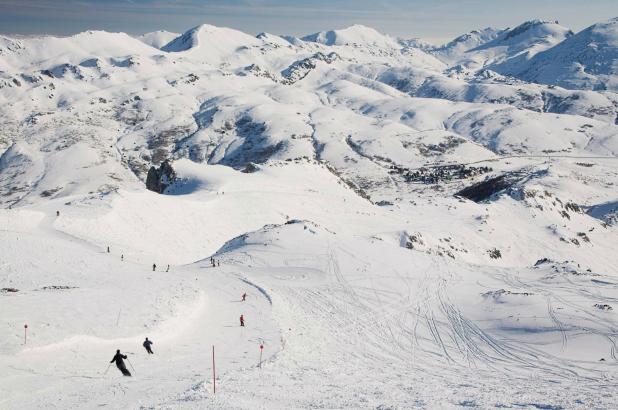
x: 434, y: 20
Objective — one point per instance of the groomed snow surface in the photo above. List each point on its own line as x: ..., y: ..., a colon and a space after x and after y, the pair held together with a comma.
x: 414, y: 226
x: 349, y: 318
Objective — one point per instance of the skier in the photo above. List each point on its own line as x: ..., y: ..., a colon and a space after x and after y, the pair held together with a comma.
x: 154, y: 267
x: 122, y: 257
x: 168, y: 268
x: 244, y: 297
x: 120, y: 363
x: 242, y: 321
x: 147, y: 343
x: 57, y: 213
x: 108, y: 249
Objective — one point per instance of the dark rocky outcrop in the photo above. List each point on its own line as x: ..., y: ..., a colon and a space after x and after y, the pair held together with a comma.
x: 484, y: 190
x: 250, y: 168
x: 158, y: 179
x: 9, y: 290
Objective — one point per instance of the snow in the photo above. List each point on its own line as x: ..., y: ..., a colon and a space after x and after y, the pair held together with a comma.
x: 353, y: 35
x: 586, y: 60
x: 455, y: 50
x: 158, y: 39
x: 330, y: 177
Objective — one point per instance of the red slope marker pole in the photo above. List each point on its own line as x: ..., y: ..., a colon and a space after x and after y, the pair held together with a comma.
x: 214, y: 386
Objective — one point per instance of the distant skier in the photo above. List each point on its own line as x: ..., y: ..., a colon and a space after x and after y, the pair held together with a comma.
x: 147, y: 343
x: 108, y: 249
x: 154, y: 267
x: 118, y: 358
x: 244, y: 297
x: 57, y: 213
x: 122, y: 257
x: 218, y: 263
x: 168, y: 268
x: 242, y: 321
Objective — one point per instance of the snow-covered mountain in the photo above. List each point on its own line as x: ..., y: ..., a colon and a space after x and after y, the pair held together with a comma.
x: 587, y: 60
x: 158, y: 39
x: 402, y: 218
x: 356, y: 35
x: 506, y: 50
x: 455, y: 50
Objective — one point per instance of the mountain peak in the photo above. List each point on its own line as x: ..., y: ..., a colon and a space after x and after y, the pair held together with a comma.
x: 539, y: 28
x: 472, y: 39
x: 584, y: 60
x: 158, y: 38
x: 212, y: 36
x: 355, y: 34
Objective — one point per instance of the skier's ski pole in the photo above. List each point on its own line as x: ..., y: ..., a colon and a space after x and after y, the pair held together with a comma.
x: 131, y: 365
x: 105, y: 372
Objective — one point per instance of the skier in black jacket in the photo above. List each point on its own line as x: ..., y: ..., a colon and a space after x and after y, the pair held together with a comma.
x: 147, y: 343
x: 118, y: 358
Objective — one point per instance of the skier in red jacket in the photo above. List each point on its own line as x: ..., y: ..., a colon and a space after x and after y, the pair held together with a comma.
x: 242, y: 321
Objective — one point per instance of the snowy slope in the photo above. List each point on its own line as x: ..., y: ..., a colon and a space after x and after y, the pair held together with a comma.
x: 456, y: 49
x: 587, y: 60
x: 358, y: 35
x: 512, y: 47
x: 414, y: 227
x: 158, y: 39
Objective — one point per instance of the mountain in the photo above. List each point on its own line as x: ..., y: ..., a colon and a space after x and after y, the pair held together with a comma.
x: 456, y: 49
x: 587, y: 60
x: 158, y: 39
x: 208, y: 38
x: 513, y: 47
x: 219, y: 45
x: 356, y: 35
x: 389, y: 219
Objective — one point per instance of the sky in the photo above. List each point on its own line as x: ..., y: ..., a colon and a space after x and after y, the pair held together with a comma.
x: 436, y: 21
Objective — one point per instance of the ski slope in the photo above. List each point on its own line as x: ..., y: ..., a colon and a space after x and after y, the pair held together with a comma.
x: 336, y: 299
x: 414, y: 227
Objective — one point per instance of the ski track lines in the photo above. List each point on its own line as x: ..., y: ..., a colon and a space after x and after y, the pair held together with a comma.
x: 172, y: 328
x: 355, y: 321
x: 415, y: 330
x: 189, y: 327
x: 605, y: 328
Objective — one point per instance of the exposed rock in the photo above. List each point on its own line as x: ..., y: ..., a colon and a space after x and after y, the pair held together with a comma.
x: 384, y: 203
x: 159, y: 179
x: 494, y: 253
x: 58, y: 287
x: 484, y: 190
x: 496, y: 294
x: 250, y: 168
x: 9, y: 290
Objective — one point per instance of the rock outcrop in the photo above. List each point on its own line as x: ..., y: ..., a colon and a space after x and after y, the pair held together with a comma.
x: 158, y: 179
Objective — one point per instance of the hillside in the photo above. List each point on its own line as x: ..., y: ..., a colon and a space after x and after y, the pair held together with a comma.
x: 414, y: 227
x: 586, y: 60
